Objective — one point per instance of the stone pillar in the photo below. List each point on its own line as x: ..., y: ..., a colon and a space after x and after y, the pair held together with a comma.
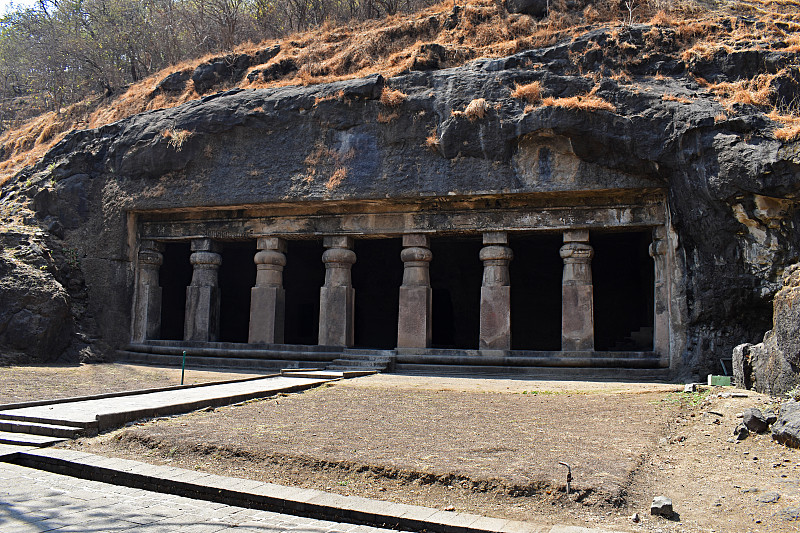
x: 658, y: 251
x: 202, y: 296
x: 147, y: 309
x: 337, y: 296
x: 414, y: 325
x: 495, y: 332
x: 267, y: 298
x: 577, y: 293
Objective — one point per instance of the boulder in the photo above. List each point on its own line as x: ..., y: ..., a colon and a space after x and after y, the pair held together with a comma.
x: 661, y: 506
x: 773, y: 366
x: 175, y: 82
x: 534, y: 8
x: 754, y: 420
x: 786, y: 429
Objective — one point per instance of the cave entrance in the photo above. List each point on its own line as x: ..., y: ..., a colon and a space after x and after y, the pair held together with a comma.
x: 536, y: 272
x: 377, y: 276
x: 237, y: 275
x: 456, y: 273
x: 174, y: 276
x: 303, y: 276
x: 623, y: 279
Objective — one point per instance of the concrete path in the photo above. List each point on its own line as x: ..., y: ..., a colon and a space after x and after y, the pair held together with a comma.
x: 36, y: 501
x: 209, y: 491
x: 107, y: 413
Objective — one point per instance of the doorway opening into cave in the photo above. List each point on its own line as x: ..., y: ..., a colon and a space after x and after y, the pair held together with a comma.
x: 237, y: 275
x: 174, y: 276
x: 456, y: 273
x: 623, y: 279
x: 536, y: 272
x: 377, y: 276
x: 303, y: 276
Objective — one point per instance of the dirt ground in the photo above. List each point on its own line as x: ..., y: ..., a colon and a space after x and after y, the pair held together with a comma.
x: 492, y: 446
x: 26, y: 383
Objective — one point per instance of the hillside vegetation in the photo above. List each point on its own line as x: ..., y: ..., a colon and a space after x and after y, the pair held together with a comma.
x: 439, y: 36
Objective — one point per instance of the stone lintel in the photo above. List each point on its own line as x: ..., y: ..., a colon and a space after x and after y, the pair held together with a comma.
x: 206, y: 245
x: 149, y: 244
x: 419, y: 240
x: 576, y: 235
x: 495, y: 237
x: 338, y: 241
x: 271, y: 243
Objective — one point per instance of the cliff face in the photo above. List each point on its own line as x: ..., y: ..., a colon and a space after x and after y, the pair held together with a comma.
x: 731, y: 186
x: 773, y: 366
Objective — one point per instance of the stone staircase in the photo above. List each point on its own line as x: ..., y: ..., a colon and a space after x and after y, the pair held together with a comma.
x: 20, y: 430
x: 363, y: 359
x: 230, y: 355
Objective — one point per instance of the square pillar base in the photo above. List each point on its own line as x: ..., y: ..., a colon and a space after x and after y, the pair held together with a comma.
x: 414, y: 325
x: 267, y: 305
x: 337, y: 306
x: 577, y: 317
x: 495, y: 329
x: 202, y: 314
x: 147, y: 314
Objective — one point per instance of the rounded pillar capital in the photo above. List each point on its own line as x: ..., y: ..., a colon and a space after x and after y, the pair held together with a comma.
x: 205, y: 260
x: 269, y: 257
x: 576, y: 252
x: 416, y: 254
x: 496, y: 253
x: 338, y: 258
x: 151, y: 258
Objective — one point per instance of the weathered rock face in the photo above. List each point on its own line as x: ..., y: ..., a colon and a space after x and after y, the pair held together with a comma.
x: 35, y: 317
x: 773, y: 366
x: 732, y: 188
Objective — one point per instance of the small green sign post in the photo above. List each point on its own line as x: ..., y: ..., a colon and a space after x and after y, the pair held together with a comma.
x: 183, y: 366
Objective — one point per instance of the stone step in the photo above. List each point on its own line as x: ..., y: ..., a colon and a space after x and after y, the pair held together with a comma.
x: 12, y: 415
x: 240, y: 346
x: 242, y: 352
x: 538, y: 360
x: 368, y: 351
x: 33, y: 428
x: 364, y: 357
x: 350, y: 362
x: 559, y: 373
x: 329, y: 373
x: 27, y: 439
x: 213, y: 362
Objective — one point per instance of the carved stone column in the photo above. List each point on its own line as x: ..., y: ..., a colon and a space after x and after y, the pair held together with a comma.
x: 337, y: 296
x: 414, y: 325
x: 147, y: 306
x: 202, y: 296
x: 267, y: 298
x: 658, y: 251
x: 577, y: 293
x: 495, y: 330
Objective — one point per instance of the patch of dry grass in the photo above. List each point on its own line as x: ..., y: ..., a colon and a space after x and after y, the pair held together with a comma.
x: 790, y: 131
x: 585, y: 102
x: 530, y: 92
x: 392, y: 97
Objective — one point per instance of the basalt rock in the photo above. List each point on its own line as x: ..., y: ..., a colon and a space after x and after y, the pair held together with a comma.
x: 731, y: 187
x: 773, y: 366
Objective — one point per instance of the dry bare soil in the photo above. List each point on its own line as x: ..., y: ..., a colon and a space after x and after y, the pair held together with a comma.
x: 27, y: 383
x: 492, y: 446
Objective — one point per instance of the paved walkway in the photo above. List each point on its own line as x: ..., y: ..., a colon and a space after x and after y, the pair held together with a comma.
x: 208, y: 491
x: 115, y: 411
x: 37, y: 501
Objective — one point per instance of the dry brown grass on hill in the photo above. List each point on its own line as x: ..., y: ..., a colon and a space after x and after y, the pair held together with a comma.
x: 790, y: 131
x: 584, y: 102
x: 391, y: 45
x: 530, y: 92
